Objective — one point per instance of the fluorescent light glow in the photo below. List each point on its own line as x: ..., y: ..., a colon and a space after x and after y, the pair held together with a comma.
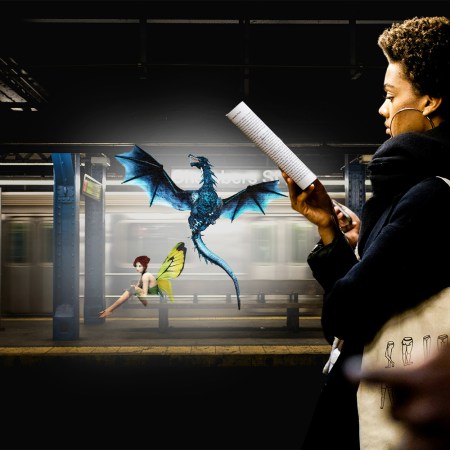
x: 25, y: 164
x: 26, y: 182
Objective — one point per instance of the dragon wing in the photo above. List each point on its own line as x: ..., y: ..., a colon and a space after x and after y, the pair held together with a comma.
x: 255, y: 197
x: 144, y: 171
x: 171, y: 268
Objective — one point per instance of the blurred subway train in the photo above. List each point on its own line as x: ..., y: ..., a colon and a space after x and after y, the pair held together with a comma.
x: 267, y: 252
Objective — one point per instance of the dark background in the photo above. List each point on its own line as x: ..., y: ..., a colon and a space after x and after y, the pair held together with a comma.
x: 117, y: 403
x: 168, y: 71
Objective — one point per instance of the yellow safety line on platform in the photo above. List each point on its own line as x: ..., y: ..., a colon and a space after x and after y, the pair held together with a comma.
x: 17, y: 319
x: 172, y: 350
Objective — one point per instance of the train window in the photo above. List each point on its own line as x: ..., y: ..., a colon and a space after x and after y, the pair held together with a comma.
x: 264, y: 243
x: 134, y: 238
x: 141, y: 242
x: 17, y: 249
x: 302, y: 234
x: 46, y: 242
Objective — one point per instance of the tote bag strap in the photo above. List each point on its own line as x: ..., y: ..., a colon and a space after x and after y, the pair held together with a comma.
x: 445, y: 179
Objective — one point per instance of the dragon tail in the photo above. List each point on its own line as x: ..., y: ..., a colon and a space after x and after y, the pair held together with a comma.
x: 212, y: 258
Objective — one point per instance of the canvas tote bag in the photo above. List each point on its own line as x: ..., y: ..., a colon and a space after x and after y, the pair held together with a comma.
x: 405, y: 341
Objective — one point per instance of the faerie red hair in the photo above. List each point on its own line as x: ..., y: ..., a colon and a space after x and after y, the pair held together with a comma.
x: 144, y: 260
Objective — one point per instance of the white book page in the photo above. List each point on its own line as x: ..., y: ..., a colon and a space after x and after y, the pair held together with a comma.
x: 261, y: 135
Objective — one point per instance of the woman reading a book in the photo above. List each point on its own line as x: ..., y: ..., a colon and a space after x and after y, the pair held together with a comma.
x: 397, y: 261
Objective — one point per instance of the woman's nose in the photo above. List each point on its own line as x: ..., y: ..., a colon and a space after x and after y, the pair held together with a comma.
x: 383, y: 110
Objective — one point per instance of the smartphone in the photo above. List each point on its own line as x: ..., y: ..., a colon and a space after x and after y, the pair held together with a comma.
x: 342, y: 210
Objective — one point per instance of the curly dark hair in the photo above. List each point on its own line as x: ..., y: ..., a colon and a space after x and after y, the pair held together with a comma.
x: 422, y: 45
x: 144, y: 260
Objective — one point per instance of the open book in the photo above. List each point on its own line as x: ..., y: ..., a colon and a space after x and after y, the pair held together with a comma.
x: 261, y: 135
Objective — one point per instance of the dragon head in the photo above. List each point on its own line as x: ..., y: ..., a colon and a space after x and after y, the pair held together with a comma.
x: 199, y: 161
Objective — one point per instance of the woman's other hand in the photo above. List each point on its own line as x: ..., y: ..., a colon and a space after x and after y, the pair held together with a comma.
x: 349, y: 227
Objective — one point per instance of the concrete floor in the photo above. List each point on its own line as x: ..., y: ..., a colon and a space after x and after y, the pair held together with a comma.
x: 191, y: 331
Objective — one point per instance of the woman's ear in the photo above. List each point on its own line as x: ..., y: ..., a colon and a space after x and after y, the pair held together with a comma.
x: 432, y: 104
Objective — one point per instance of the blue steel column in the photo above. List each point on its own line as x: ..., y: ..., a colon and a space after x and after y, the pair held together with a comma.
x: 94, y: 254
x: 355, y: 185
x: 66, y: 246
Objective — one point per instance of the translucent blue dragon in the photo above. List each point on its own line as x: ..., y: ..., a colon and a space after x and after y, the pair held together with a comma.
x: 204, y: 204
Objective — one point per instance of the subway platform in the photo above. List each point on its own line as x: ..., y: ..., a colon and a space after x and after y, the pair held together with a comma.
x: 204, y: 383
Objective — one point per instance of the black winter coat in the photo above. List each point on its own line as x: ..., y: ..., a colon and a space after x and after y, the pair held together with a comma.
x: 402, y: 242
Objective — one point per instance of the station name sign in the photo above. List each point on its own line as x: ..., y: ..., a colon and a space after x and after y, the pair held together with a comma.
x: 190, y: 178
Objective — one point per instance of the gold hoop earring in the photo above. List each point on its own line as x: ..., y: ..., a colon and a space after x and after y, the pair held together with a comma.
x: 430, y: 121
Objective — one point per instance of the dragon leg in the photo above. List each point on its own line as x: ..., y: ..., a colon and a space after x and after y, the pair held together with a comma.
x: 209, y: 256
